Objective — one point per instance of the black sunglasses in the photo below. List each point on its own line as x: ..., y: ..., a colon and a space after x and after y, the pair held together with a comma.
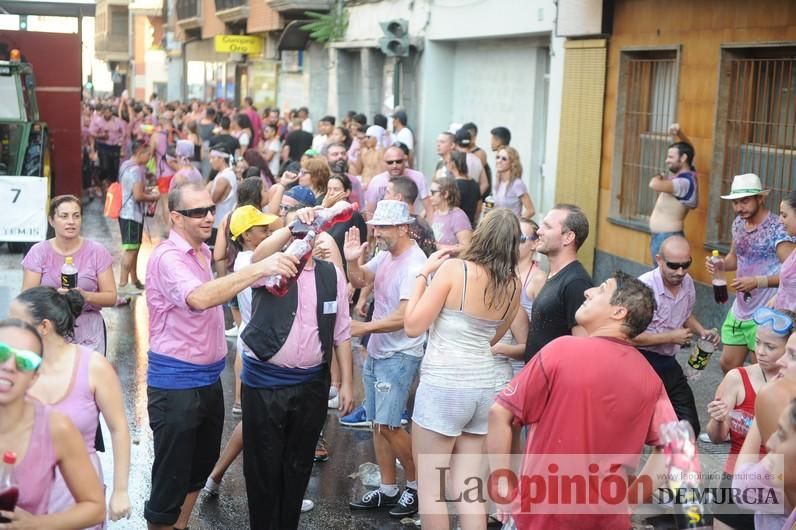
x: 197, y: 213
x: 674, y: 266
x: 524, y: 238
x: 393, y: 162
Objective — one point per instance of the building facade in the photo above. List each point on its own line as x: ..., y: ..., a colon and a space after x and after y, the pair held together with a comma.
x: 726, y: 72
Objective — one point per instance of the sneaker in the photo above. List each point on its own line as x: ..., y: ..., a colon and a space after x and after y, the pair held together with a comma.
x: 122, y: 301
x: 211, y: 487
x: 706, y: 439
x: 321, y: 451
x: 405, y: 417
x: 334, y: 402
x: 139, y: 285
x: 236, y: 410
x: 373, y: 500
x: 307, y: 505
x: 128, y: 288
x: 356, y: 418
x: 407, y: 504
x: 232, y: 332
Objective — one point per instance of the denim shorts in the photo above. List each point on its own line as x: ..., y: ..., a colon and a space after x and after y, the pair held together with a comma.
x: 657, y: 240
x: 452, y: 411
x: 387, y: 383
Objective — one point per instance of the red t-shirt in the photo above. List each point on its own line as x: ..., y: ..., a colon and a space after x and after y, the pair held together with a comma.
x: 586, y: 396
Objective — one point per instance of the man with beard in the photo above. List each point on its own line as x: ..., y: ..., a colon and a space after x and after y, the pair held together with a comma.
x: 393, y: 357
x: 677, y: 191
x: 562, y: 233
x: 672, y: 324
x: 337, y: 158
x: 759, y: 245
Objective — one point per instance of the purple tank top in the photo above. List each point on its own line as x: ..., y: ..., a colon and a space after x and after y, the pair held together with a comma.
x: 79, y: 404
x: 35, y: 473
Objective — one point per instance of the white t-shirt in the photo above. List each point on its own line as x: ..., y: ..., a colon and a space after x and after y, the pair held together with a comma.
x: 406, y: 137
x: 276, y: 146
x: 395, y: 281
x: 227, y: 204
x: 306, y: 125
x: 319, y: 142
x: 243, y: 259
x: 244, y: 139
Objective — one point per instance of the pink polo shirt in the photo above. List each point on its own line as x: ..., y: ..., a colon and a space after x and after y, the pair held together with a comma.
x: 175, y: 329
x: 115, y: 128
x: 302, y: 348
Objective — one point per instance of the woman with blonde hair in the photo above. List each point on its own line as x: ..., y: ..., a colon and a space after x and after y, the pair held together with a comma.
x: 509, y: 190
x: 314, y: 175
x: 468, y: 306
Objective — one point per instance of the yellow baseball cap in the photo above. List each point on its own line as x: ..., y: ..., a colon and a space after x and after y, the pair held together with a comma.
x: 246, y: 217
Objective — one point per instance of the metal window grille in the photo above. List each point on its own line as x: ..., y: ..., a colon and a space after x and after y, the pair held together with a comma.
x: 650, y: 85
x: 760, y: 133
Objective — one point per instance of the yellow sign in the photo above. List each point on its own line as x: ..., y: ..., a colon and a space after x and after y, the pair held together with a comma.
x: 239, y: 44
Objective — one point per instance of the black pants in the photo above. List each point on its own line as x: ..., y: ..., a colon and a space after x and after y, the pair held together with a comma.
x: 677, y: 387
x: 108, y: 161
x: 280, y: 429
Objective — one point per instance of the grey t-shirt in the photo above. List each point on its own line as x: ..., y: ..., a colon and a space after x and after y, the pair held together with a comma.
x: 129, y: 174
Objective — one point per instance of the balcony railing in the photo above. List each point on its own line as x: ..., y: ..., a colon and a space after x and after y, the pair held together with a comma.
x: 298, y: 5
x: 189, y: 13
x: 108, y: 47
x: 232, y: 10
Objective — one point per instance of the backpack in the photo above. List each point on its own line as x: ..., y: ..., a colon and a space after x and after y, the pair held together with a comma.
x: 113, y: 201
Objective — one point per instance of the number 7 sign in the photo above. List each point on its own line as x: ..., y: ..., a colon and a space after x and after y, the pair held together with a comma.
x: 23, y: 208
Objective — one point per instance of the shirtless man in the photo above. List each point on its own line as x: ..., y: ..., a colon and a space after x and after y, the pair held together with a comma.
x: 371, y: 156
x: 677, y: 192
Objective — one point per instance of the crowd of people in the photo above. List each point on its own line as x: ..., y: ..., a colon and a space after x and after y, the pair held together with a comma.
x: 480, y: 319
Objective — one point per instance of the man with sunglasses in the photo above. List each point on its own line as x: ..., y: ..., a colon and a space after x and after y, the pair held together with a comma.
x: 395, y: 160
x: 187, y: 353
x: 673, y: 324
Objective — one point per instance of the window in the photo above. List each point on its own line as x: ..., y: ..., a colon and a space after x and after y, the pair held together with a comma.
x: 756, y: 132
x: 119, y: 22
x: 645, y: 110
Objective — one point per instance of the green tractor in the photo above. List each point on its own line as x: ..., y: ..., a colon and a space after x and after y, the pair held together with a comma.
x: 25, y: 158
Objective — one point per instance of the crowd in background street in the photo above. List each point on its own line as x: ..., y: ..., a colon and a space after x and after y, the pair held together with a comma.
x: 467, y: 308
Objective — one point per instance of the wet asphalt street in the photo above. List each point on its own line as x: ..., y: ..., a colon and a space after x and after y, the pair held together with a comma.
x: 330, y: 486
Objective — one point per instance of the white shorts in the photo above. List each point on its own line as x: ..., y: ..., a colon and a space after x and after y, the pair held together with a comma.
x: 452, y: 411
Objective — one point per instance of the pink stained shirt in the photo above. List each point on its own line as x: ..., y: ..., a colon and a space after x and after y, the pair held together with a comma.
x: 302, y: 348
x: 672, y: 309
x: 115, y: 128
x: 175, y: 329
x: 378, y: 187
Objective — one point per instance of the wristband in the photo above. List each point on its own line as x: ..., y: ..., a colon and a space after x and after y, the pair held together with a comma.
x: 762, y: 282
x: 418, y: 275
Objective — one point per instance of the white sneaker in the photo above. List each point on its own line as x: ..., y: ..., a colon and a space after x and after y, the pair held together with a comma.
x: 232, y: 332
x: 211, y: 487
x: 307, y: 505
x: 334, y: 402
x: 706, y: 439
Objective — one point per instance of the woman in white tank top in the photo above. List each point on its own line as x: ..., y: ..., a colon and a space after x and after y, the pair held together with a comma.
x: 467, y: 308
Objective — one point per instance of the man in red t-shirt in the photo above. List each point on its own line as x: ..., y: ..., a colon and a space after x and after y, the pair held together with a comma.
x: 593, y: 395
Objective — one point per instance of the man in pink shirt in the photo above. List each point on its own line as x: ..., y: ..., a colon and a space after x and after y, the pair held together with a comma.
x: 109, y: 132
x: 187, y: 352
x: 395, y: 160
x: 254, y: 117
x: 285, y: 379
x: 673, y: 324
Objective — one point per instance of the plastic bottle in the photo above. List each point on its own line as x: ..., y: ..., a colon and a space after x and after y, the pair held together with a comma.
x: 9, y: 492
x: 699, y: 359
x: 68, y: 274
x: 277, y: 284
x: 740, y: 421
x: 325, y: 218
x: 719, y: 279
x: 684, y: 471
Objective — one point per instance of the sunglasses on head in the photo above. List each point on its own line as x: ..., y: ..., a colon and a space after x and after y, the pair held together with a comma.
x: 197, y: 213
x: 393, y: 162
x: 779, y: 322
x: 26, y: 360
x: 674, y: 265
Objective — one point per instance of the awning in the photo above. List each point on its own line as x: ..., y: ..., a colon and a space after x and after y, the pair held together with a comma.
x: 293, y: 37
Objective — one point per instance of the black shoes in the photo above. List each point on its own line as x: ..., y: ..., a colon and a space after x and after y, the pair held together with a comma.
x: 407, y: 504
x: 373, y: 500
x: 403, y: 505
